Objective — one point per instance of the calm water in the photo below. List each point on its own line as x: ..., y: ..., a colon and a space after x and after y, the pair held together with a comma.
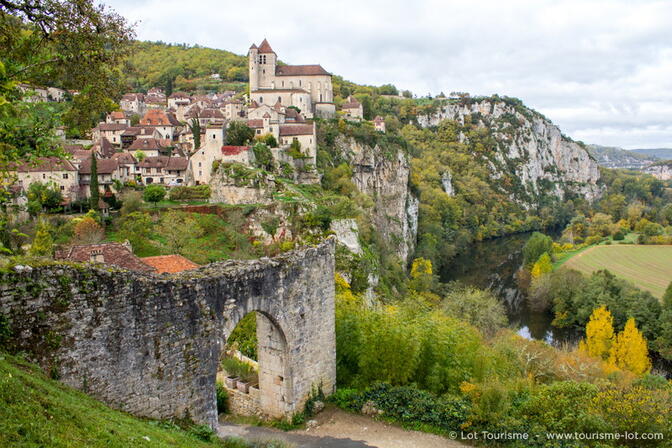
x: 493, y: 265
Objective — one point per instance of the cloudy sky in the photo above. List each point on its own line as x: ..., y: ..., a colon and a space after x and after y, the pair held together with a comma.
x: 601, y: 70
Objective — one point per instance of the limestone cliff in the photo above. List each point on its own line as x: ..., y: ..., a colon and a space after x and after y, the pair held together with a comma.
x: 528, y: 146
x: 660, y: 170
x: 384, y: 176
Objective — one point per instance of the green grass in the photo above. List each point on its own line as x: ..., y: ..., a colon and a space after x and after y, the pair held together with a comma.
x: 36, y: 411
x: 648, y: 267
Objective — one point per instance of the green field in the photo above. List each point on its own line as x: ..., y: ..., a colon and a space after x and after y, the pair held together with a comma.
x: 648, y: 267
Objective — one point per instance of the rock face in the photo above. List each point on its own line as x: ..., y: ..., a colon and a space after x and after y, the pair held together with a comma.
x: 150, y: 345
x: 347, y: 234
x: 545, y: 161
x: 660, y: 170
x: 385, y: 178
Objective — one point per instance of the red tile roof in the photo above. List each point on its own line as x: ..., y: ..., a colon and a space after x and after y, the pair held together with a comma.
x: 145, y: 144
x: 103, y: 166
x: 255, y: 123
x: 44, y: 164
x: 265, y: 47
x: 112, y: 126
x: 296, y: 129
x: 166, y: 162
x: 301, y: 70
x: 117, y: 115
x: 111, y: 253
x: 169, y: 264
x: 157, y: 117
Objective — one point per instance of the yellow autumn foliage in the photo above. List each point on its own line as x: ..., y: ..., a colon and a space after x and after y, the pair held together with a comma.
x: 599, y: 334
x: 630, y: 351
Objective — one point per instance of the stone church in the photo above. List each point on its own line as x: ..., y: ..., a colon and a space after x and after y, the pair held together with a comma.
x: 307, y: 87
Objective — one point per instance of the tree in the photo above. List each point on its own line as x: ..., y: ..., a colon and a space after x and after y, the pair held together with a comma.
x: 422, y: 277
x: 135, y: 227
x: 43, y: 197
x: 535, y: 247
x: 43, y: 243
x: 630, y: 350
x: 140, y: 155
x: 154, y: 194
x: 599, y: 334
x: 93, y: 185
x: 663, y: 342
x: 478, y: 307
x: 239, y: 134
x: 195, y: 127
x: 544, y: 265
x: 263, y: 156
x: 131, y: 201
x: 88, y: 231
x: 178, y: 229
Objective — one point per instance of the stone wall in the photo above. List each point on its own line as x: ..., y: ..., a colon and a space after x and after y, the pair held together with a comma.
x: 150, y: 345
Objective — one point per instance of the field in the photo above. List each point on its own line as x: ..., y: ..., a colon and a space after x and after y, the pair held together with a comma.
x: 648, y: 267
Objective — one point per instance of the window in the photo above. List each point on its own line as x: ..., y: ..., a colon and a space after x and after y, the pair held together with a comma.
x: 44, y: 176
x: 65, y: 175
x: 299, y: 83
x: 199, y: 164
x: 62, y: 188
x: 279, y: 99
x: 261, y: 99
x: 200, y: 173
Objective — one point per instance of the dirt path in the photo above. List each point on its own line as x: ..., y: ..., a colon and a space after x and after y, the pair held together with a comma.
x: 338, y: 429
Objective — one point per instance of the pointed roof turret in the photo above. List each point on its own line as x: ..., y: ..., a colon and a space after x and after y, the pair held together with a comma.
x: 265, y: 47
x: 253, y: 47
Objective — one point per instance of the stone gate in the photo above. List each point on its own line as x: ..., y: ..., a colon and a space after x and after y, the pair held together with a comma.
x: 150, y: 345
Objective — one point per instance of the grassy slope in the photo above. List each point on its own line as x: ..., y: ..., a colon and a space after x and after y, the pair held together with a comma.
x: 38, y: 412
x: 648, y: 267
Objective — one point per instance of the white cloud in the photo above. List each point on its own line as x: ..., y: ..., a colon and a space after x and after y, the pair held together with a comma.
x: 601, y: 70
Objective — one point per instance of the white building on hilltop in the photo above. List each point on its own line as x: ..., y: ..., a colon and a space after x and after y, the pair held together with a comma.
x: 307, y: 87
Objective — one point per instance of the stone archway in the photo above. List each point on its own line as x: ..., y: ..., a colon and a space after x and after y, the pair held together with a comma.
x: 150, y: 345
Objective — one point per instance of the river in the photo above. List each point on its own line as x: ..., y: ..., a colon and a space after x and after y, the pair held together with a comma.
x: 493, y: 264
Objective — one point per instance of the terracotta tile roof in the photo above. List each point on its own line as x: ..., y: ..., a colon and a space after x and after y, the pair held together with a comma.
x: 44, y: 164
x: 157, y: 117
x: 73, y: 148
x: 255, y: 123
x: 296, y: 129
x: 112, y: 126
x: 212, y: 113
x: 103, y: 166
x: 301, y: 70
x: 178, y: 95
x: 145, y: 144
x: 117, y: 115
x: 169, y: 264
x: 81, y: 155
x: 292, y: 115
x: 352, y: 103
x: 109, y: 253
x: 234, y: 150
x: 253, y: 46
x: 132, y: 131
x: 133, y: 97
x: 125, y: 158
x: 265, y: 47
x: 166, y: 162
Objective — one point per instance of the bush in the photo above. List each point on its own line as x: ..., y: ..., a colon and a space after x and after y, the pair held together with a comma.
x: 222, y: 398
x: 182, y: 193
x: 242, y: 370
x: 407, y: 404
x: 537, y: 245
x: 619, y: 235
x: 154, y: 193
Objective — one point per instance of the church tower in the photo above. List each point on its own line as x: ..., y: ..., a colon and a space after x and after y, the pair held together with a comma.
x: 266, y: 59
x: 253, y: 60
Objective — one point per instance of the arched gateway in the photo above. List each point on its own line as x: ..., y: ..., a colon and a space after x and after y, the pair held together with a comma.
x: 150, y: 345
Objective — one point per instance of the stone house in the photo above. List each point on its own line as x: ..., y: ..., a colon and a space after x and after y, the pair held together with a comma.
x: 108, y: 172
x: 133, y: 103
x: 304, y: 133
x: 117, y: 254
x: 49, y: 170
x: 233, y: 110
x: 164, y: 170
x: 133, y: 133
x: 352, y: 109
x: 110, y: 131
x: 237, y: 154
x: 201, y: 161
x: 178, y: 99
x: 150, y: 147
x: 307, y: 87
x: 164, y: 122
x: 128, y: 166
x: 118, y: 117
x: 379, y: 123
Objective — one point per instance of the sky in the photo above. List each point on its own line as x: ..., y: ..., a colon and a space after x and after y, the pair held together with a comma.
x: 600, y: 70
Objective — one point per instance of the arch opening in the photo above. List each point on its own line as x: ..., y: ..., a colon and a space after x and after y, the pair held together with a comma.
x: 253, y: 368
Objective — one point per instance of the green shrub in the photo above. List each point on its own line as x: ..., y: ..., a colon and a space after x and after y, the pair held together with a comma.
x: 407, y: 404
x: 242, y: 370
x: 182, y: 193
x: 222, y: 398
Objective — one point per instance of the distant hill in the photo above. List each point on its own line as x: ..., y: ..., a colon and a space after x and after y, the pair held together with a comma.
x: 190, y: 68
x: 658, y: 153
x: 614, y: 157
